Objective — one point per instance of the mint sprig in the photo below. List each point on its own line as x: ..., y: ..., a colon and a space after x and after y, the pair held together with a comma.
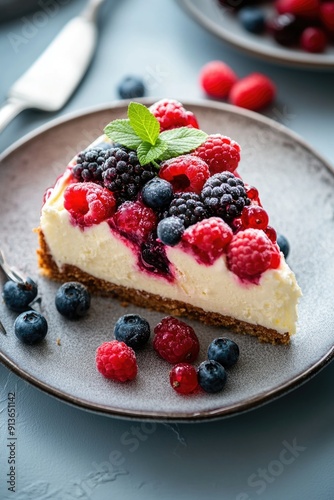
x: 141, y: 132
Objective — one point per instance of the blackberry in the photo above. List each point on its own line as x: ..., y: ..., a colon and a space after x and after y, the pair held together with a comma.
x: 188, y: 207
x: 123, y: 174
x: 89, y: 165
x: 224, y: 195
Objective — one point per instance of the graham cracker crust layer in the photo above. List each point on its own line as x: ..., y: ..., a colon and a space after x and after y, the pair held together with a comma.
x: 148, y: 300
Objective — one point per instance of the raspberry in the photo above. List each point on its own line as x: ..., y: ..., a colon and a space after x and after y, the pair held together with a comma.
x: 250, y: 253
x: 183, y: 378
x: 188, y: 207
x: 89, y: 203
x: 89, y: 165
x: 186, y: 173
x: 216, y: 79
x: 116, y: 361
x: 170, y: 114
x: 123, y: 174
x: 253, y: 92
x: 220, y: 153
x: 224, y: 196
x: 208, y: 239
x: 135, y: 221
x: 192, y: 120
x: 313, y: 40
x: 301, y: 8
x: 175, y: 341
x: 327, y: 16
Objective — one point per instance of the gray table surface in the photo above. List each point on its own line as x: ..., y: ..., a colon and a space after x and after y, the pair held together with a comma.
x: 283, y: 450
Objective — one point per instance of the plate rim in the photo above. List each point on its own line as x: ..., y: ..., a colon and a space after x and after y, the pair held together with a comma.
x: 202, y: 415
x: 291, y: 60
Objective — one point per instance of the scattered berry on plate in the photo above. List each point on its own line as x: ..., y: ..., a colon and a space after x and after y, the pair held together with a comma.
x: 183, y: 378
x: 131, y: 86
x: 285, y: 29
x: 251, y: 252
x: 116, y: 361
x: 18, y: 296
x: 170, y: 230
x: 89, y: 203
x: 157, y: 193
x: 307, y: 9
x: 220, y: 153
x: 208, y: 239
x: 186, y: 173
x: 30, y: 327
x: 254, y: 92
x: 313, y: 39
x: 252, y: 18
x: 175, y: 341
x: 72, y: 300
x: 211, y: 376
x: 283, y: 244
x: 216, y: 79
x: 224, y: 351
x: 133, y: 330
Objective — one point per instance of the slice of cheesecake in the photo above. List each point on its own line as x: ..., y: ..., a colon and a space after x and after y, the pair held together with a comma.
x: 167, y: 228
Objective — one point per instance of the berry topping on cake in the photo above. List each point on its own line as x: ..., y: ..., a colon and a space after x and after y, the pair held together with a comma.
x: 116, y: 361
x: 224, y: 196
x: 250, y: 253
x: 89, y: 203
x: 123, y: 174
x: 133, y: 330
x: 220, y: 152
x: 188, y: 207
x: 171, y: 114
x: 211, y: 376
x: 153, y: 257
x: 208, y: 239
x: 157, y: 193
x: 134, y: 220
x: 254, y: 216
x: 183, y: 378
x: 175, y: 341
x: 18, y: 296
x: 72, y: 300
x: 89, y: 164
x: 30, y: 327
x: 224, y: 351
x: 170, y: 230
x: 186, y: 173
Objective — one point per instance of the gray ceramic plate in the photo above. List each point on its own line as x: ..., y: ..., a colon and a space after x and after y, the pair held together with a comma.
x: 222, y: 22
x: 297, y: 188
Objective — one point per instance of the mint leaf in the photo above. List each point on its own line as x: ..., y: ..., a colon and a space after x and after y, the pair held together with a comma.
x: 181, y: 140
x: 147, y: 152
x: 122, y: 132
x: 143, y: 122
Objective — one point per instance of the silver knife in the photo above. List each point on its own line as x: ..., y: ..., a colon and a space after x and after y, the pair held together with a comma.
x: 51, y: 80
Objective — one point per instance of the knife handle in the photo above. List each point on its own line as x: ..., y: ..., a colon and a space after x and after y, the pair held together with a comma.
x: 8, y: 111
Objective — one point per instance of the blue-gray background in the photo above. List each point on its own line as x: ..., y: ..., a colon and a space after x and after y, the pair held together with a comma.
x: 284, y: 450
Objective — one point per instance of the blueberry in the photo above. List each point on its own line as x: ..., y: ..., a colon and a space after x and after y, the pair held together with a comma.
x: 30, y: 327
x: 131, y: 86
x: 223, y: 350
x: 18, y: 296
x: 211, y: 376
x: 72, y: 300
x: 252, y: 19
x: 157, y: 193
x: 283, y: 244
x: 133, y: 330
x: 170, y: 230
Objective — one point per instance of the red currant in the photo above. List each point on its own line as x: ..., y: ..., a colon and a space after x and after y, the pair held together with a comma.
x: 254, y: 216
x: 271, y: 233
x: 253, y: 194
x: 183, y: 378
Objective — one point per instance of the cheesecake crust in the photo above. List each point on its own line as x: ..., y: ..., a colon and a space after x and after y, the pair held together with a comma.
x: 147, y: 300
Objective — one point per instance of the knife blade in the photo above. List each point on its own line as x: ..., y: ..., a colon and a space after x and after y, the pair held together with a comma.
x: 51, y: 80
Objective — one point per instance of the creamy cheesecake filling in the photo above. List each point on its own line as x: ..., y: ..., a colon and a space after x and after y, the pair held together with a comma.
x: 103, y: 253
